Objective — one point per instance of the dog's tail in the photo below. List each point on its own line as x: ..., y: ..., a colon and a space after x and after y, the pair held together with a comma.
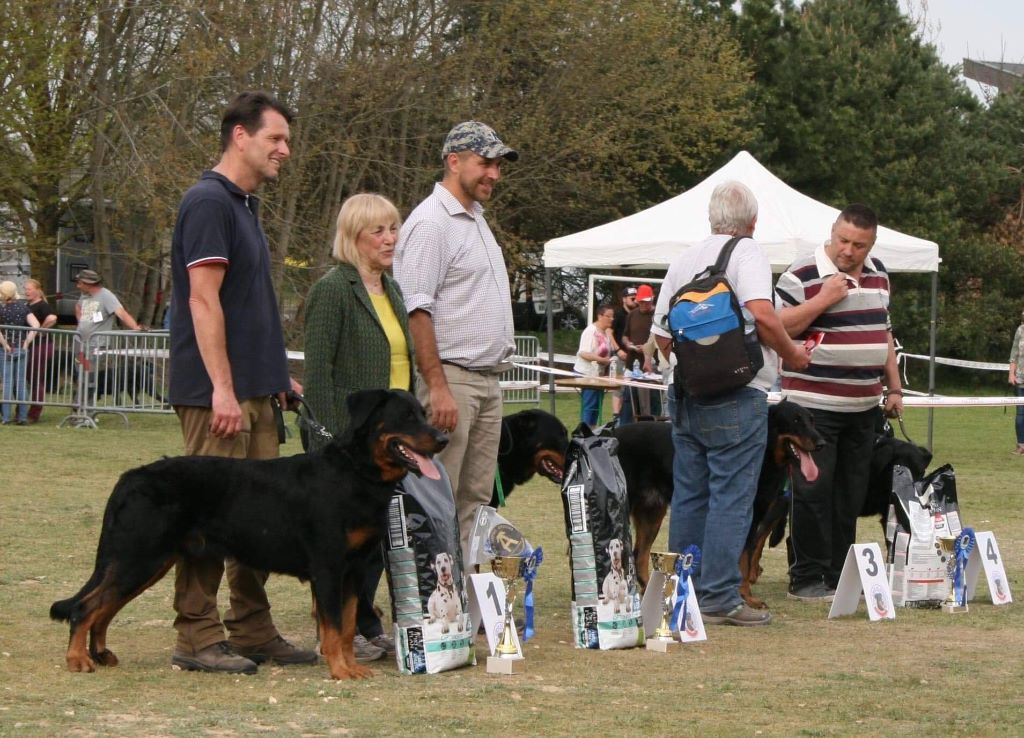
x: 64, y: 610
x: 61, y: 609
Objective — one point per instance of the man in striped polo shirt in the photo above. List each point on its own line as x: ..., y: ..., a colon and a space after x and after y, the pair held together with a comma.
x: 841, y: 293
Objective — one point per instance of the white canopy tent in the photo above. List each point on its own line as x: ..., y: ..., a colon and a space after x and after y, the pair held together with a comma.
x: 789, y: 225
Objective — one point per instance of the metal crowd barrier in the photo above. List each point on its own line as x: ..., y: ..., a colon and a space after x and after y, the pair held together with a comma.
x: 125, y: 372
x: 521, y: 385
x: 121, y: 372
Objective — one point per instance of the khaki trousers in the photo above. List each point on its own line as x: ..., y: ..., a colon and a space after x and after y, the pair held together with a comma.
x: 471, y: 456
x: 196, y: 582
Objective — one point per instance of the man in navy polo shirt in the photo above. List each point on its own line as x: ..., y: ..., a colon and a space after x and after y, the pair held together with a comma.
x: 227, y: 361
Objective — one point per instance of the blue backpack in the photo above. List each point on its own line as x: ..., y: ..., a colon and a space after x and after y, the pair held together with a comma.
x: 716, y: 347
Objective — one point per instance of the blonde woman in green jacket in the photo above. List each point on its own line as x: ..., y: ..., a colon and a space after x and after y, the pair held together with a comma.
x: 357, y: 337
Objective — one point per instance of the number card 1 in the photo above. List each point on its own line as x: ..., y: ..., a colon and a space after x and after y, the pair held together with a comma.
x: 487, y: 606
x: 986, y: 556
x: 863, y: 571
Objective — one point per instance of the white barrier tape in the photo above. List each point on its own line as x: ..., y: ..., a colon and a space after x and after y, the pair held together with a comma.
x: 991, y: 366
x: 910, y: 399
x: 652, y: 385
x: 941, y: 401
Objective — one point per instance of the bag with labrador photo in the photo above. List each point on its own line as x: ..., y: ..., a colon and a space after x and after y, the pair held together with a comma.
x: 605, y: 598
x: 423, y: 561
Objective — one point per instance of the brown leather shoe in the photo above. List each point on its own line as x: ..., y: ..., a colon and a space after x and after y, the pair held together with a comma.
x: 218, y: 657
x: 278, y: 650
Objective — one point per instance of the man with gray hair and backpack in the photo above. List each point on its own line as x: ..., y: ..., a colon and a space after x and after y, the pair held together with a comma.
x: 719, y: 425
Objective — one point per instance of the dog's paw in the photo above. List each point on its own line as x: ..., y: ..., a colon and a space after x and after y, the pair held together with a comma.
x: 105, y: 657
x: 756, y: 603
x: 355, y: 671
x: 82, y: 664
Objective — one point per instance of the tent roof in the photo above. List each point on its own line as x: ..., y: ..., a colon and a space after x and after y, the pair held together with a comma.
x: 789, y: 225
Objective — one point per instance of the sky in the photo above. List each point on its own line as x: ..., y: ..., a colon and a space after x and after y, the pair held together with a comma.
x: 991, y: 30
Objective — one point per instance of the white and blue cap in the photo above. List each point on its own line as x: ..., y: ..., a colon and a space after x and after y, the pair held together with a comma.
x: 480, y: 138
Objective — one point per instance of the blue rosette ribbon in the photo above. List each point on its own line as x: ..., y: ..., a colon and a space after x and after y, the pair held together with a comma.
x: 529, y: 571
x: 965, y: 543
x: 686, y: 564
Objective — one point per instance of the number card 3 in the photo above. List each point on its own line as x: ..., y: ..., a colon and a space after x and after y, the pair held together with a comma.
x: 863, y: 571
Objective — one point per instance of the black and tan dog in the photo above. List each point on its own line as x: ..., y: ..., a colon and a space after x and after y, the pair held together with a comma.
x: 886, y: 454
x: 532, y: 442
x: 791, y: 439
x: 646, y: 454
x: 312, y: 516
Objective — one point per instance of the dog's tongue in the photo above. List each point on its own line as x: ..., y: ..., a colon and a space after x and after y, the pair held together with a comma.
x: 807, y: 466
x: 427, y: 466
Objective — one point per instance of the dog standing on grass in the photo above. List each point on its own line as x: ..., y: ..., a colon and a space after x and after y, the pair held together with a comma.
x: 312, y: 516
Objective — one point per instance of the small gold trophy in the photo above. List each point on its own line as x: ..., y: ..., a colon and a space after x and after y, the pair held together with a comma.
x: 663, y: 640
x: 947, y: 548
x: 506, y: 658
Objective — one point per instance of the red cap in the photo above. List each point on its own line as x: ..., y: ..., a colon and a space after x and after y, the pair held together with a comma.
x: 644, y: 293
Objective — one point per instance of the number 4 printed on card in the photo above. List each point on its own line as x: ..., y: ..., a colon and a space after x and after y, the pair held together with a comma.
x: 986, y: 556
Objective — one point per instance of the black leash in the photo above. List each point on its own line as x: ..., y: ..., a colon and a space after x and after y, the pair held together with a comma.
x: 307, y: 419
x: 903, y: 429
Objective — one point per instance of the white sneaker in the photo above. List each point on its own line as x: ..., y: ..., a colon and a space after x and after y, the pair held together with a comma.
x: 384, y: 642
x: 366, y: 651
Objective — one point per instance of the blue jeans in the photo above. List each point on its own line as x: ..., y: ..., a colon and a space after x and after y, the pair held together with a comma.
x: 1020, y: 415
x: 590, y: 406
x: 14, y: 383
x: 719, y: 448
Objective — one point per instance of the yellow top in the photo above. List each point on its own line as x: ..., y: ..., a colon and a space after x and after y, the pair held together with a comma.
x: 400, y: 369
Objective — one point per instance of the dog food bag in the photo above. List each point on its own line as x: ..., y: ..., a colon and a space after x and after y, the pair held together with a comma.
x: 919, y: 513
x: 605, y: 599
x: 423, y: 561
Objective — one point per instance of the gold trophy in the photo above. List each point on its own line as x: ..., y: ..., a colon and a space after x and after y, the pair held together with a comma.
x: 663, y: 640
x: 506, y: 658
x: 947, y: 549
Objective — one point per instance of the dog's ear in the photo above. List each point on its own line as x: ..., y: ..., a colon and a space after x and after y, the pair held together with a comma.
x: 362, y: 404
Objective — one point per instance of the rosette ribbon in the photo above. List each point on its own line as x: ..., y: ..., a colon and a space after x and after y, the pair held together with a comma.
x: 686, y: 564
x: 529, y: 571
x: 961, y: 553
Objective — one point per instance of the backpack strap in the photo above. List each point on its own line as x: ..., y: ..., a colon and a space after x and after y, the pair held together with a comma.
x: 724, y: 255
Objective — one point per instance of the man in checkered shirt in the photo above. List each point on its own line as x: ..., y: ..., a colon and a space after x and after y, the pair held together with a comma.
x: 452, y: 274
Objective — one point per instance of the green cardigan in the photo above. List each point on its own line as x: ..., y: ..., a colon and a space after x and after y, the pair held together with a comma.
x: 346, y: 348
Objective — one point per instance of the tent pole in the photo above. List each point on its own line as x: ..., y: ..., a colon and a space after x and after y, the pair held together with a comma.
x: 551, y: 336
x: 932, y: 330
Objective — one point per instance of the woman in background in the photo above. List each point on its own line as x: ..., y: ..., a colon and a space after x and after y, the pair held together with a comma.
x: 42, y: 348
x: 357, y: 337
x: 592, y: 360
x: 1017, y: 381
x: 14, y: 314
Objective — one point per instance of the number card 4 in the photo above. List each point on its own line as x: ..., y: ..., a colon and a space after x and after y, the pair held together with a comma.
x: 986, y: 556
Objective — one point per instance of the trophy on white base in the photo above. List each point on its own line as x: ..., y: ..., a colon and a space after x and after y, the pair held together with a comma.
x: 664, y: 640
x: 507, y: 657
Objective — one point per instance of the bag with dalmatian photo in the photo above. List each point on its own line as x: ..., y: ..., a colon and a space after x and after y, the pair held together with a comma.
x: 605, y: 596
x: 423, y: 562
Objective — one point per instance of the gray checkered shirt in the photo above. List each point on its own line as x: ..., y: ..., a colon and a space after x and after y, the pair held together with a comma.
x: 449, y: 265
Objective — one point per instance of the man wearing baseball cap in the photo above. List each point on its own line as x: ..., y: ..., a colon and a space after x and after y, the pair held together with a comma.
x: 96, y: 311
x: 634, y: 335
x: 618, y: 325
x: 452, y: 274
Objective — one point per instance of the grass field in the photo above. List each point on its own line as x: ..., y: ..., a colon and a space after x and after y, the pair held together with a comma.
x: 804, y: 675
